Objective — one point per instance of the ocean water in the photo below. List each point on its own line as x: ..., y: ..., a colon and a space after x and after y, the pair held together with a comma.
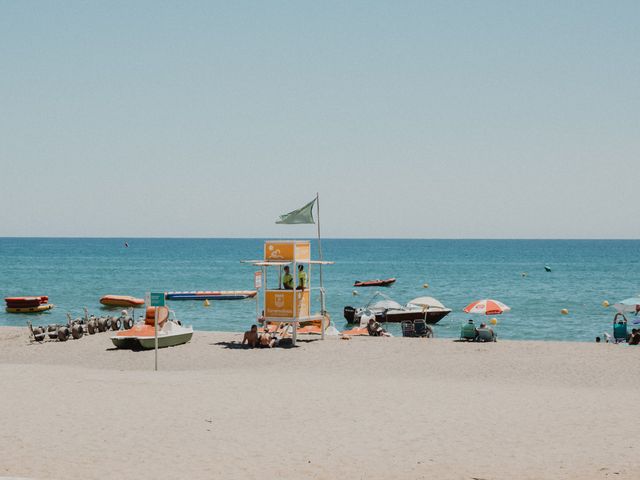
x: 76, y: 272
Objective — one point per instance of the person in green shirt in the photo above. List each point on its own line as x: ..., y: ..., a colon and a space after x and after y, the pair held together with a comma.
x: 302, y: 278
x: 287, y: 279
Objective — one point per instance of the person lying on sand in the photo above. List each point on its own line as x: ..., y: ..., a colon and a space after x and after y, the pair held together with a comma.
x: 267, y: 341
x: 251, y: 337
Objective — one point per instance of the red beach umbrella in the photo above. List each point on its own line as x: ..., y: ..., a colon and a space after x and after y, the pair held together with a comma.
x: 487, y: 307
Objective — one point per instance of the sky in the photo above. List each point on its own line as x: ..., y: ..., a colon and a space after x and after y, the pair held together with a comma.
x: 423, y: 119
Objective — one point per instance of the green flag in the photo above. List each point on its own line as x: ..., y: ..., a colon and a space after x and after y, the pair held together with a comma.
x: 302, y: 215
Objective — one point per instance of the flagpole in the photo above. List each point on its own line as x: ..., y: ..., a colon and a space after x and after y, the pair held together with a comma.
x: 320, y: 251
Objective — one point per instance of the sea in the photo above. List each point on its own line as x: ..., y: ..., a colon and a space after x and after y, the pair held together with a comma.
x: 76, y: 272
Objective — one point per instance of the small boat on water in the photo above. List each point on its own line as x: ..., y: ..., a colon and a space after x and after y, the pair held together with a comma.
x: 37, y: 309
x: 385, y: 309
x: 28, y: 304
x: 121, y: 301
x: 142, y: 334
x: 212, y: 295
x: 374, y: 283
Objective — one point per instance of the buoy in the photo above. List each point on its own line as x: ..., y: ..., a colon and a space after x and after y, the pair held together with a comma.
x: 493, y: 321
x: 547, y: 268
x: 425, y: 285
x: 355, y: 292
x: 206, y: 303
x: 524, y: 274
x: 564, y: 311
x: 605, y: 304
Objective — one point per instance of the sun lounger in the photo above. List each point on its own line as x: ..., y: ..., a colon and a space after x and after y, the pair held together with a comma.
x: 408, y: 328
x: 422, y: 329
x: 620, y: 333
x: 354, y: 332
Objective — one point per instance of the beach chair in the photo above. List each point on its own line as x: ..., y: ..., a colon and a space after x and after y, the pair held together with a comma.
x: 422, y: 329
x: 620, y: 333
x: 468, y: 332
x: 486, y: 335
x: 408, y: 328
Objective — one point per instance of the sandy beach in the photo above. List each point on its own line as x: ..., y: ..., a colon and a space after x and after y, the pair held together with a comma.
x: 359, y: 408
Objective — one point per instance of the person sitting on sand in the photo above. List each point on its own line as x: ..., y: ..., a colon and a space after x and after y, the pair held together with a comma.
x: 267, y: 341
x: 634, y: 338
x: 484, y: 333
x: 375, y: 330
x: 251, y: 336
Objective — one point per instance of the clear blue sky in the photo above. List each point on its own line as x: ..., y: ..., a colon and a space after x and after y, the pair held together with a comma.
x: 412, y: 119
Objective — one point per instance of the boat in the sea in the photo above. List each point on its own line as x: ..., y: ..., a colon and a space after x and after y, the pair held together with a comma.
x: 37, y: 309
x: 121, y: 301
x: 34, y: 304
x: 374, y: 283
x: 212, y: 295
x: 142, y: 334
x: 384, y: 309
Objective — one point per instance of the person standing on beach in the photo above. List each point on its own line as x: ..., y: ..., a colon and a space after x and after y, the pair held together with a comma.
x: 302, y: 278
x: 287, y: 279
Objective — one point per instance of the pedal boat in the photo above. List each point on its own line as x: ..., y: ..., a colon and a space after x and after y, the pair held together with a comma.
x: 142, y: 335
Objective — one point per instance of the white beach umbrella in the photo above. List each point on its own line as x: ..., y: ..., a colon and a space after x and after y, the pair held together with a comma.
x: 426, y: 303
x: 628, y: 305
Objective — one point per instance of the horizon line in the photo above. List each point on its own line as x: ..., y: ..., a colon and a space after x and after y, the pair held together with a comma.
x: 315, y: 238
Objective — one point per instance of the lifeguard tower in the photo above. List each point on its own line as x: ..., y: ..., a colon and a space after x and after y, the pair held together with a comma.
x: 292, y: 306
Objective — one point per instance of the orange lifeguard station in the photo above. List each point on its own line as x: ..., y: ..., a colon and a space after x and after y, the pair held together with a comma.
x: 282, y: 305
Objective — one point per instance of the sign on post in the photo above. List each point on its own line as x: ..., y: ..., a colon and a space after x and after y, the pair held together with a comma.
x: 156, y: 299
x: 257, y: 280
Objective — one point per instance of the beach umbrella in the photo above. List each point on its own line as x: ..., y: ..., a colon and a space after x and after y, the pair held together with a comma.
x: 628, y: 305
x: 487, y: 307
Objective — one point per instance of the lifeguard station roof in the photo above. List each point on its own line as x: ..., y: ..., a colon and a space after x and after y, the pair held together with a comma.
x: 272, y: 263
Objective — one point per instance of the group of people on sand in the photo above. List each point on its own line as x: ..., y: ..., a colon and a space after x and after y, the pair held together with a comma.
x: 632, y: 339
x: 483, y: 333
x: 253, y: 338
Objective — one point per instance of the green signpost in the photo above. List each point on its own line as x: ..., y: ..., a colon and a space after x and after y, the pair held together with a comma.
x: 157, y: 299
